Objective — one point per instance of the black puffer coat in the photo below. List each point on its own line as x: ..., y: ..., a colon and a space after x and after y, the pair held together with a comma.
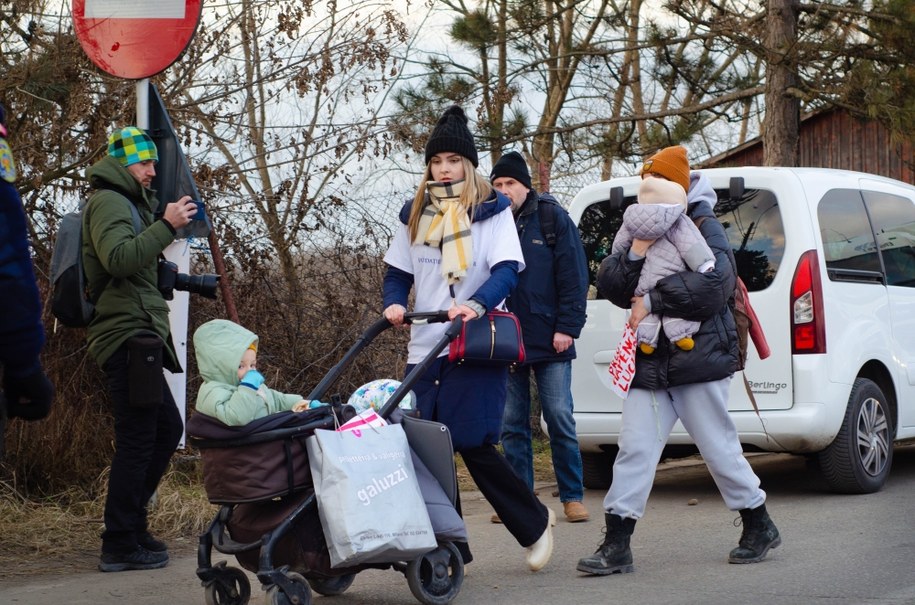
x: 702, y: 297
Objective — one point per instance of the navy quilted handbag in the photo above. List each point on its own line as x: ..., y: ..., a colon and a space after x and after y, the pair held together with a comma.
x: 494, y: 339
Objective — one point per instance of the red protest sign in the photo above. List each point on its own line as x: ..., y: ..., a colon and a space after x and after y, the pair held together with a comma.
x: 622, y: 367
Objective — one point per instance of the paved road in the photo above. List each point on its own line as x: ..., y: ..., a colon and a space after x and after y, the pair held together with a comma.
x: 840, y: 550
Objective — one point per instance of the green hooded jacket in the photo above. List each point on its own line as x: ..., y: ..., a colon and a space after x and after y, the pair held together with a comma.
x: 219, y: 345
x: 122, y: 265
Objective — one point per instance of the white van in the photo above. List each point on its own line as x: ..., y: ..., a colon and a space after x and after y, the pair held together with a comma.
x: 829, y: 259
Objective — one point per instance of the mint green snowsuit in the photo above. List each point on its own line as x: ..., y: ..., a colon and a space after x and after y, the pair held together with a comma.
x: 219, y: 345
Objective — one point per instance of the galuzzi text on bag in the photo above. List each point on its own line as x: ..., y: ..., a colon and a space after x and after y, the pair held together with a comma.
x: 376, y: 487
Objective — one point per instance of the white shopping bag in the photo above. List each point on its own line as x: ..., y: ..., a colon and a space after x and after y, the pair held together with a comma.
x: 369, y: 502
x: 622, y: 368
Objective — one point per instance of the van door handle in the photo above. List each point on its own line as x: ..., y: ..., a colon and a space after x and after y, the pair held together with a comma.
x: 855, y: 275
x: 604, y: 356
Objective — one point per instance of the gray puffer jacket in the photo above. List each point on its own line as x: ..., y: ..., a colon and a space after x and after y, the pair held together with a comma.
x: 678, y: 245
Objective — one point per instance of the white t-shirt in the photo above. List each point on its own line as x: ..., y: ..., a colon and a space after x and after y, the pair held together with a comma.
x: 495, y: 240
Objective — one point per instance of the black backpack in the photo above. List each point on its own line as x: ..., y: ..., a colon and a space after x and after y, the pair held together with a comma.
x: 70, y: 301
x: 546, y: 209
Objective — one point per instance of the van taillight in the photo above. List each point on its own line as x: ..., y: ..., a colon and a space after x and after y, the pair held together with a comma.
x: 808, y: 324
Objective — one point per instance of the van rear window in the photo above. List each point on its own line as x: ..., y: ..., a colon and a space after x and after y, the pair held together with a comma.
x: 754, y: 227
x: 598, y: 226
x: 848, y: 242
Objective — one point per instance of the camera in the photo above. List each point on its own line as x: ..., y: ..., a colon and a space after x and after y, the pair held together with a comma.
x: 170, y: 280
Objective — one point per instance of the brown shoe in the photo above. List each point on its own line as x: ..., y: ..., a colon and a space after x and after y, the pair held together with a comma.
x: 575, y: 511
x: 495, y: 518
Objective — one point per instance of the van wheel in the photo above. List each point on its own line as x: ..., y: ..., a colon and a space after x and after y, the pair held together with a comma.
x: 597, y: 469
x: 859, y: 459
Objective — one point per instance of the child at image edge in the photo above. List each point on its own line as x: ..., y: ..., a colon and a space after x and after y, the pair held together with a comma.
x: 233, y: 391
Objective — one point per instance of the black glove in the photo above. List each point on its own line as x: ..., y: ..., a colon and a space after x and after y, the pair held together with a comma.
x: 30, y: 397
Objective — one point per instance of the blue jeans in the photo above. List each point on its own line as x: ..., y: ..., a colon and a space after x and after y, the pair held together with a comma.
x: 554, y: 381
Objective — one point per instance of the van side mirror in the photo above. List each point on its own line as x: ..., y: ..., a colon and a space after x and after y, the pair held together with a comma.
x: 736, y: 188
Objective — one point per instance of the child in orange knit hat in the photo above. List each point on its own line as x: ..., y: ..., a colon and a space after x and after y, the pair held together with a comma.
x: 661, y: 216
x: 670, y: 163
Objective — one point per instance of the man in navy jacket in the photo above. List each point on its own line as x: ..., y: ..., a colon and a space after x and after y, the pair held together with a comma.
x: 27, y: 392
x: 550, y: 301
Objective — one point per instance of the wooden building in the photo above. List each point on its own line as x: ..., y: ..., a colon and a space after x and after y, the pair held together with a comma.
x: 836, y: 139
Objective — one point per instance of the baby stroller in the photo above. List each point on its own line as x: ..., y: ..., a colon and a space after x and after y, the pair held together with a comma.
x: 259, y: 475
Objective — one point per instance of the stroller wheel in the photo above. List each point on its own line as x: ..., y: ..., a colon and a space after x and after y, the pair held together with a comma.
x: 330, y: 587
x: 294, y: 592
x: 435, y: 578
x: 230, y: 586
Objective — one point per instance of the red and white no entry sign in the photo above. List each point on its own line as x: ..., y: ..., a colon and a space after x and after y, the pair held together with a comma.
x: 135, y: 39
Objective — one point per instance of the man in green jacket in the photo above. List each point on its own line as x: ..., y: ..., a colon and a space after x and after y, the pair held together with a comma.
x: 129, y: 338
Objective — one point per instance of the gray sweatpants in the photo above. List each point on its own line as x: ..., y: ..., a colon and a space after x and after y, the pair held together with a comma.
x: 648, y: 418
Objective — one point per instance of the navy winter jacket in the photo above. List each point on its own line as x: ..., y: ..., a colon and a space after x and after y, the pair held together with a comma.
x: 469, y: 399
x: 21, y: 330
x: 552, y: 291
x: 695, y: 296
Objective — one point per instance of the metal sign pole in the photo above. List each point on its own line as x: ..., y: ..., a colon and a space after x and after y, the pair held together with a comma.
x: 142, y: 88
x: 178, y: 308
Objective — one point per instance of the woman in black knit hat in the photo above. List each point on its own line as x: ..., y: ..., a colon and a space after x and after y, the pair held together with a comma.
x: 458, y: 249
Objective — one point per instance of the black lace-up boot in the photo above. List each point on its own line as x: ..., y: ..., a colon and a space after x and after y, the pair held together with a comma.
x: 759, y: 535
x: 151, y: 543
x: 613, y: 555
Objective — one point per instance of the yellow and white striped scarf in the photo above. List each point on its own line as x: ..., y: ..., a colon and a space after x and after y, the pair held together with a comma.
x: 445, y: 224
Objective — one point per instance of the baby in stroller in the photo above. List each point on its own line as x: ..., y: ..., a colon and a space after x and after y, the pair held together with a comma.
x: 255, y: 465
x: 238, y: 396
x: 233, y: 391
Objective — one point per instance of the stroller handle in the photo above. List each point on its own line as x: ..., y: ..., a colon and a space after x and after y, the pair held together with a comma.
x: 421, y: 318
x: 372, y: 332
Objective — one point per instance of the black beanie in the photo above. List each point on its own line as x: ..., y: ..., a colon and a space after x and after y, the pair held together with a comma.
x: 512, y: 165
x: 451, y: 134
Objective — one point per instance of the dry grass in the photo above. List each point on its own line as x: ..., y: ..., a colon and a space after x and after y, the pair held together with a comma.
x: 63, y: 533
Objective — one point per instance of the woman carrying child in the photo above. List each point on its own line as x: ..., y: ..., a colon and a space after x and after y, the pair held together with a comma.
x: 671, y: 382
x: 459, y: 249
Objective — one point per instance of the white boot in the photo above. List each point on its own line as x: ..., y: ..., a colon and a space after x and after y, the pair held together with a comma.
x: 539, y: 553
